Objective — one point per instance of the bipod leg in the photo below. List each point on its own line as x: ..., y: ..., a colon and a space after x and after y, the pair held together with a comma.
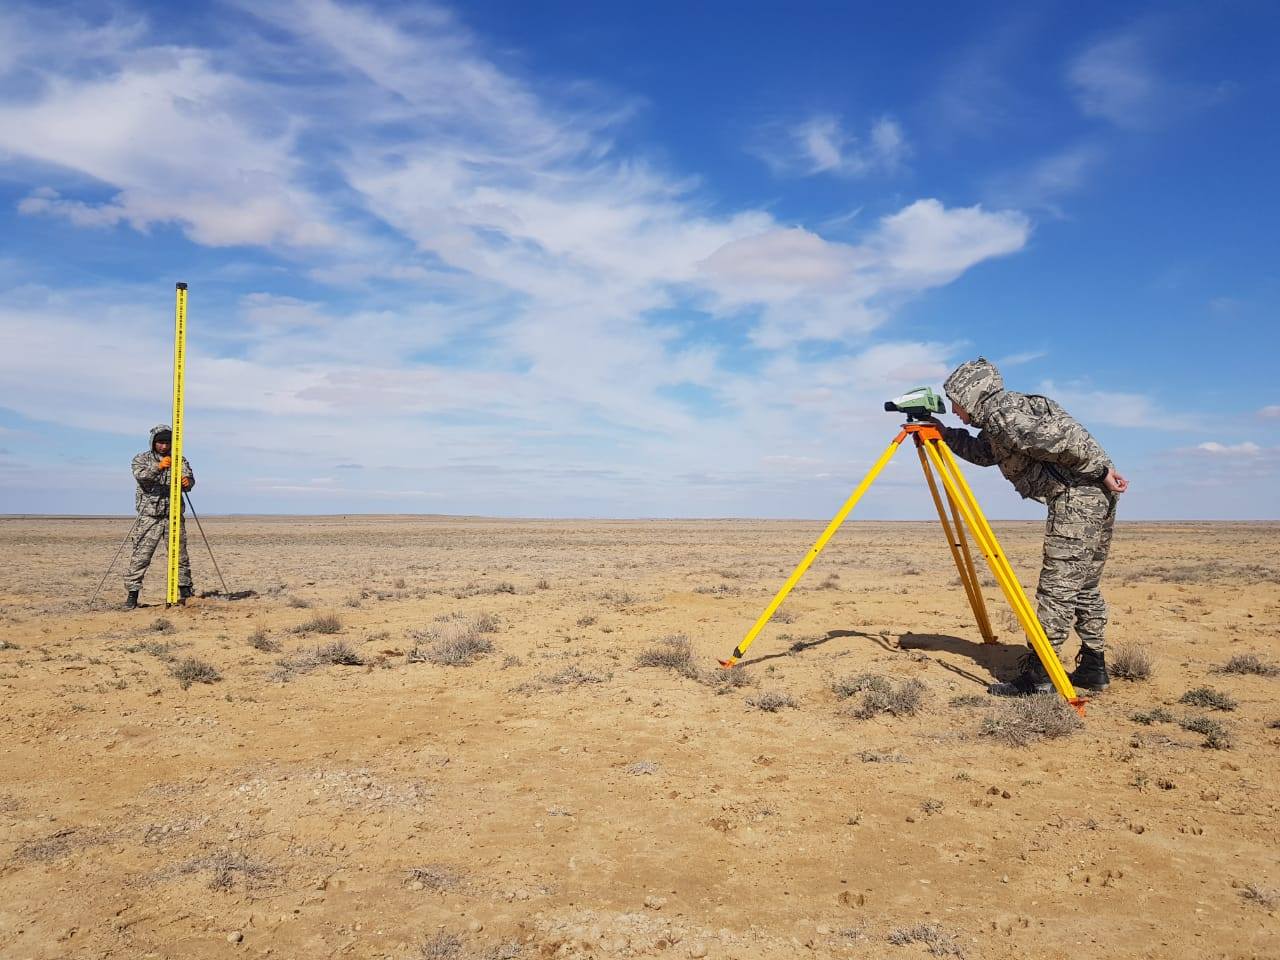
x: 741, y: 649
x: 956, y: 541
x: 962, y: 496
x: 200, y: 527
x: 112, y: 564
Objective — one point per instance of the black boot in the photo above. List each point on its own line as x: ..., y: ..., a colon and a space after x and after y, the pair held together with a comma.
x: 184, y: 593
x: 131, y: 601
x: 1032, y: 678
x: 1091, y: 670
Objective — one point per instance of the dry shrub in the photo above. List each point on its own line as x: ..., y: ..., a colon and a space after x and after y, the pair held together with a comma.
x: 190, y: 670
x: 1249, y: 663
x: 573, y: 677
x: 163, y: 625
x: 1024, y: 720
x: 1208, y: 698
x: 671, y: 653
x: 1265, y: 897
x: 1130, y: 662
x: 455, y: 640
x: 879, y: 695
x: 442, y: 946
x: 725, y: 680
x: 881, y: 756
x: 324, y: 623
x: 157, y: 649
x: 933, y: 937
x: 1216, y: 736
x: 261, y: 640
x: 435, y: 876
x: 642, y: 768
x: 298, y: 603
x: 1155, y: 715
x: 339, y: 653
x: 771, y: 701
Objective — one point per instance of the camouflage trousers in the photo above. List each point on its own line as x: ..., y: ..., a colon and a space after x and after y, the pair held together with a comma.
x: 149, y: 534
x: 1077, y: 539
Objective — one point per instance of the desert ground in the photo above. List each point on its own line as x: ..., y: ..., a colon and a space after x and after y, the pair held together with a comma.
x: 420, y: 737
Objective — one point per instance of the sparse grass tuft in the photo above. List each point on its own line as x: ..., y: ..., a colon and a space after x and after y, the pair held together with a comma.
x: 1265, y: 897
x: 191, y: 670
x: 771, y: 701
x: 1249, y: 663
x: 1208, y: 698
x: 163, y: 625
x: 587, y: 621
x: 1154, y: 715
x: 324, y: 623
x: 881, y: 756
x: 454, y: 641
x: 970, y: 700
x: 1130, y: 662
x: 573, y: 677
x: 936, y: 940
x: 298, y: 603
x: 261, y: 640
x: 1216, y: 736
x: 157, y: 649
x: 1024, y: 720
x: 671, y: 653
x: 225, y: 867
x: 642, y: 768
x: 848, y: 686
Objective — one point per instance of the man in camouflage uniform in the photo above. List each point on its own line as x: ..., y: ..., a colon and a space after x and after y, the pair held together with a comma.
x: 151, y: 470
x: 1047, y: 456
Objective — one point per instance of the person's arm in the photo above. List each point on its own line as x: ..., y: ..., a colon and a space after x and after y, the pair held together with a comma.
x: 1058, y: 439
x: 188, y: 478
x: 976, y: 450
x: 146, y: 469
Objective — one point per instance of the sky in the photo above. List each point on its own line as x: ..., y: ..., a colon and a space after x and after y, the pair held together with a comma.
x: 631, y: 260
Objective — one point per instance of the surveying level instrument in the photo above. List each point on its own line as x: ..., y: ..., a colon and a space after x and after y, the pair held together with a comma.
x: 172, y: 596
x: 936, y: 456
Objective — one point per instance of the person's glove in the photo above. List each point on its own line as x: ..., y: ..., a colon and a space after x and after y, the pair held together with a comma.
x: 164, y: 463
x: 186, y: 483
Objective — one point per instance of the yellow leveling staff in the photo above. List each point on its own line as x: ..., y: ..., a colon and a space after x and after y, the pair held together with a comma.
x: 175, y: 448
x: 934, y: 450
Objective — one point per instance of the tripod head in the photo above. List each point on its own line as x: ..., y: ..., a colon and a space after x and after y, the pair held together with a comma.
x: 919, y: 404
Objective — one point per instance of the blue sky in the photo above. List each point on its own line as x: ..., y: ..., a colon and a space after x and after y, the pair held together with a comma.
x: 568, y: 259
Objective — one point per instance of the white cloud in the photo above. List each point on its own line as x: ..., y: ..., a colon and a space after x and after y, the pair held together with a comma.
x: 1113, y: 79
x: 1245, y: 449
x: 1270, y: 412
x: 1116, y: 408
x: 821, y: 144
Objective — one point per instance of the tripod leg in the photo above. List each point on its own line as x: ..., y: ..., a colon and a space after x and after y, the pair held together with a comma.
x: 988, y: 635
x: 963, y: 497
x: 740, y: 650
x: 119, y: 550
x: 955, y: 538
x: 200, y: 527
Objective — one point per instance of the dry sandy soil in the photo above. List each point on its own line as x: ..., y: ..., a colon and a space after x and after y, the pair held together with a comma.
x: 554, y: 798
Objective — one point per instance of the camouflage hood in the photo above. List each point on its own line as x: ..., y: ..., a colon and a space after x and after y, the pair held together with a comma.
x: 158, y: 429
x: 972, y: 384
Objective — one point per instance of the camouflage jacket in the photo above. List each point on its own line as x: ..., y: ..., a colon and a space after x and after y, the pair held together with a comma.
x: 1038, y: 446
x: 152, y: 499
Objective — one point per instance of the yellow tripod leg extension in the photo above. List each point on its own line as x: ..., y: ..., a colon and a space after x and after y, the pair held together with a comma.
x: 959, y: 551
x: 175, y: 446
x: 962, y: 496
x: 741, y: 649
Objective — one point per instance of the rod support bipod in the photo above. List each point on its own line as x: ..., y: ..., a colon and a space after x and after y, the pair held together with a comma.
x: 940, y: 467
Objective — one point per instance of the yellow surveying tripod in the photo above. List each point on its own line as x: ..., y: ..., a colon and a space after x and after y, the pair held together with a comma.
x: 935, y: 455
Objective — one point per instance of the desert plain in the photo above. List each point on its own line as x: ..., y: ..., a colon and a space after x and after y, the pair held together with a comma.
x: 474, y: 739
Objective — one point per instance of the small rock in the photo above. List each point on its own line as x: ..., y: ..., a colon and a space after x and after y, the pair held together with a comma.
x: 655, y: 903
x: 417, y: 885
x: 697, y: 949
x: 475, y: 926
x: 235, y: 936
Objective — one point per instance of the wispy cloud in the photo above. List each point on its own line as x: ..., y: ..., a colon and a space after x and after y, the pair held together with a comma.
x: 1270, y: 412
x: 1116, y: 408
x: 822, y: 144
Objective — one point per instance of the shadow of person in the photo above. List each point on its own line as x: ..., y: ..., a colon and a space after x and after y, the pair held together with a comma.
x: 800, y: 646
x: 998, y: 659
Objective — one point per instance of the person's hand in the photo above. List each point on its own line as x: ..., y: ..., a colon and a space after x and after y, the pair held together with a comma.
x: 1114, y: 482
x: 164, y: 463
x: 186, y: 483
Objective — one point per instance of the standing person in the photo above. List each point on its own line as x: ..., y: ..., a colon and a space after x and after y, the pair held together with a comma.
x: 151, y: 470
x: 1047, y: 456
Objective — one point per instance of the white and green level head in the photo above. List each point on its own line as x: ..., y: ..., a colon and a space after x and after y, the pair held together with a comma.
x: 919, y: 403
